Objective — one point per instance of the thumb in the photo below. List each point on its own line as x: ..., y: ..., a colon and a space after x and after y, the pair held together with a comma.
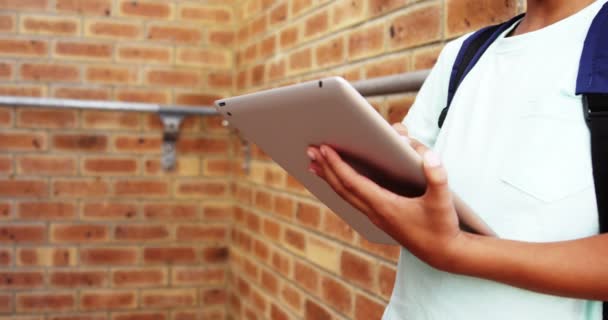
x: 437, y: 190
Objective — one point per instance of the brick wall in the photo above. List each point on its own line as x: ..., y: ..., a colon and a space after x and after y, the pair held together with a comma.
x: 291, y: 258
x: 90, y: 225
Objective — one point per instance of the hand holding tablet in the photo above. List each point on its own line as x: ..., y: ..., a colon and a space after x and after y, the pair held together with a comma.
x: 285, y: 121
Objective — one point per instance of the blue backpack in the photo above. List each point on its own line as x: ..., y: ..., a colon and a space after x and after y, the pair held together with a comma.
x: 592, y: 84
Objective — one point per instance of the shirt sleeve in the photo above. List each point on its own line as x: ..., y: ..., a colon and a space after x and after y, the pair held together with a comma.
x: 422, y: 118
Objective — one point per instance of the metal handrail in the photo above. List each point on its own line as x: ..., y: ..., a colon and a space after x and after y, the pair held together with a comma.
x: 172, y: 115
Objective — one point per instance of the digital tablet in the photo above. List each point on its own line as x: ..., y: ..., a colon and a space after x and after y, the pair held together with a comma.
x: 284, y: 121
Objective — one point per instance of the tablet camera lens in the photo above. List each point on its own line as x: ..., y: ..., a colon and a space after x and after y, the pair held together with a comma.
x: 222, y: 104
x: 230, y: 114
x: 320, y: 84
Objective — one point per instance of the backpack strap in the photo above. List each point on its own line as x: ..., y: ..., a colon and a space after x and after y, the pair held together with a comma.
x: 472, y: 49
x: 592, y: 83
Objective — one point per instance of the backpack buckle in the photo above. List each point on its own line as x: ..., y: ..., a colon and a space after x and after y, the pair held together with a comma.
x: 595, y: 105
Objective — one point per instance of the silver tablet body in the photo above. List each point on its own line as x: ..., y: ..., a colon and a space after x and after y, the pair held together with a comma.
x: 285, y: 121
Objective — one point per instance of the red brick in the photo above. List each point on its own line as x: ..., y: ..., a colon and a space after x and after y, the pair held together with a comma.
x: 111, y: 75
x: 108, y: 300
x: 110, y: 166
x: 308, y: 214
x: 271, y: 229
x: 6, y: 117
x: 109, y: 211
x: 336, y: 294
x: 5, y: 257
x: 141, y: 232
x: 386, y: 280
x: 289, y: 37
x: 6, y: 303
x: 78, y: 233
x: 330, y: 52
x: 204, y: 57
x: 21, y: 280
x: 139, y: 316
x: 86, y: 7
x: 173, y: 34
x: 205, y: 14
x: 22, y: 141
x: 276, y: 70
x: 7, y: 23
x: 215, y: 254
x: 6, y: 70
x: 198, y: 276
x: 113, y: 30
x: 50, y: 72
x: 21, y: 47
x: 172, y: 255
x: 356, y: 269
x: 224, y: 38
x: 467, y: 15
x: 306, y: 276
x: 217, y: 296
x: 258, y: 26
x: 80, y: 188
x: 170, y: 212
x: 23, y: 188
x: 426, y: 59
x: 22, y: 90
x: 46, y: 210
x: 334, y: 226
x: 108, y: 256
x: 217, y: 211
x: 415, y: 27
x: 201, y: 189
x: 218, y: 167
x: 85, y: 316
x: 398, y: 108
x: 316, y: 24
x: 82, y: 94
x: 138, y: 144
x: 378, y: 7
x: 197, y: 233
x: 173, y: 78
x: 139, y: 277
x: 76, y: 279
x: 195, y: 99
x: 46, y: 165
x: 110, y: 120
x: 366, y: 308
x: 270, y: 282
x: 141, y: 188
x: 385, y: 67
x: 314, y: 311
x: 46, y: 257
x: 220, y: 79
x: 295, y: 239
x: 46, y: 118
x: 145, y: 54
x: 146, y: 9
x: 291, y: 296
x: 80, y: 142
x: 366, y: 42
x: 24, y: 4
x: 277, y: 314
x: 299, y: 6
x: 258, y: 75
x: 300, y: 60
x: 279, y: 14
x: 50, y: 25
x: 45, y: 302
x: 168, y: 298
x: 348, y: 12
x: 84, y: 50
x: 203, y: 145
x: 5, y: 210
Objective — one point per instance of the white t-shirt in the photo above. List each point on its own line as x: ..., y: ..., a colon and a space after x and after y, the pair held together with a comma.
x: 516, y: 148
